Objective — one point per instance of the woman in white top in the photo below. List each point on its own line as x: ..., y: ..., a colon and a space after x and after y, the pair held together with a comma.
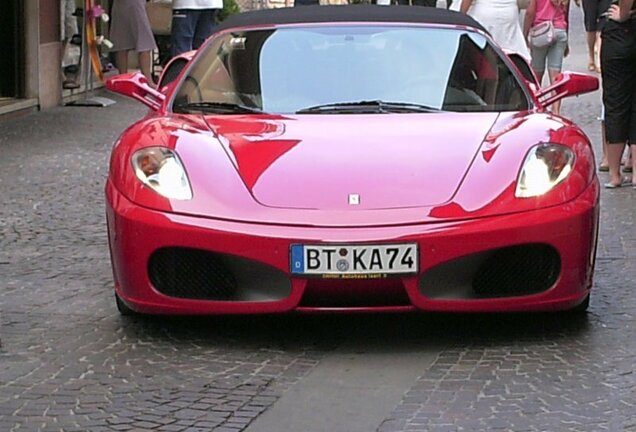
x: 501, y: 19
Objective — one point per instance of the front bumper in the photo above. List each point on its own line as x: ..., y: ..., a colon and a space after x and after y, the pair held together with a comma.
x: 137, y: 233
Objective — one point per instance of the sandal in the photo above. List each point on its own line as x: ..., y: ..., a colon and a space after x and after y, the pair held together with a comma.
x: 591, y: 67
x: 603, y: 168
x: 624, y: 182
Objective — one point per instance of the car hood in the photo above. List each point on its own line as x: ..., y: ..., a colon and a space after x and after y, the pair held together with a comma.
x: 325, y: 162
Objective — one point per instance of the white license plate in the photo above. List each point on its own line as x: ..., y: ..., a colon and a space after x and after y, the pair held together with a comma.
x: 363, y: 260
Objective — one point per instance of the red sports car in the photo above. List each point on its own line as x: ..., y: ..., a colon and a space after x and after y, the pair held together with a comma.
x: 351, y: 158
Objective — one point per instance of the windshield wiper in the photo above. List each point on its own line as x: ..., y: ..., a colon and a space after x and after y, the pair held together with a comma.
x: 370, y: 106
x: 216, y: 107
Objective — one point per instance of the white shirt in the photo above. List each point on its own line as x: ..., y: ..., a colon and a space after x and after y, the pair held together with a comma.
x: 197, y: 4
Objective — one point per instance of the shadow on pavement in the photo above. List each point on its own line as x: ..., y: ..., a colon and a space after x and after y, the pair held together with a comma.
x: 389, y: 331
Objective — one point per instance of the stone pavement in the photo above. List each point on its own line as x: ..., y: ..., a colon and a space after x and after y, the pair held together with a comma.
x: 69, y: 362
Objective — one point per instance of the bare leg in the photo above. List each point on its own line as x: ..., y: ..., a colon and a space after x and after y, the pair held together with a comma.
x: 146, y: 66
x: 632, y: 149
x: 552, y: 74
x: 597, y: 52
x: 604, y: 162
x: 121, y: 60
x: 591, y: 42
x: 628, y: 162
x: 614, y: 154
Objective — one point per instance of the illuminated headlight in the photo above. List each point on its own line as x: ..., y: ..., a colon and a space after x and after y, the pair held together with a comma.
x: 546, y: 166
x: 160, y: 169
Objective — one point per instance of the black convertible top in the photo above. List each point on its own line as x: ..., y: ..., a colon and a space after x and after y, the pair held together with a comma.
x: 348, y: 13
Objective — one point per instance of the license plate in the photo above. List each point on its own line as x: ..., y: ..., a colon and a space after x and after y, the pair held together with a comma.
x: 354, y: 260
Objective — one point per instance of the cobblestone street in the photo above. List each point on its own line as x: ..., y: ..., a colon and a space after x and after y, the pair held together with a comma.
x: 70, y: 362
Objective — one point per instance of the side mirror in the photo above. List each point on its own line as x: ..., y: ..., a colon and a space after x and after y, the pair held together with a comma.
x: 173, y: 68
x: 135, y: 85
x: 172, y: 71
x: 567, y: 84
x: 523, y: 66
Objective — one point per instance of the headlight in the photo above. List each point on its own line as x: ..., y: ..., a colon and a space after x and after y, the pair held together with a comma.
x: 546, y: 166
x: 160, y: 169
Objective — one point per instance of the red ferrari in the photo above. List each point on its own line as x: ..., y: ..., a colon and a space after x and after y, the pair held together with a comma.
x: 349, y: 159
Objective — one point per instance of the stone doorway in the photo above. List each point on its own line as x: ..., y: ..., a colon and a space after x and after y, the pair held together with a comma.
x: 12, y: 59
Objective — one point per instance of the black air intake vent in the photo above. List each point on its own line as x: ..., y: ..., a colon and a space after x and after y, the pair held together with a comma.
x: 203, y: 275
x: 191, y: 273
x: 506, y: 272
x: 518, y: 270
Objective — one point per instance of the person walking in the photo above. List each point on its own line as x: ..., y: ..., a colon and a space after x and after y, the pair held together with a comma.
x: 130, y: 31
x: 192, y: 23
x: 555, y: 12
x: 618, y: 70
x: 501, y: 19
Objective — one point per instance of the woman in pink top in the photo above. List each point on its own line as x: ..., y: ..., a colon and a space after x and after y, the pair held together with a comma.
x: 557, y: 12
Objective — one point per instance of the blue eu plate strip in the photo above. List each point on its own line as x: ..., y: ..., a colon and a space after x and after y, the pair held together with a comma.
x: 297, y: 259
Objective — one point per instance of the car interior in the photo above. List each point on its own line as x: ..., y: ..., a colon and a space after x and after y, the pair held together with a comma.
x: 286, y: 71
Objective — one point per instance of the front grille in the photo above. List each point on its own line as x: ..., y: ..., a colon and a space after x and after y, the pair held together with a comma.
x: 191, y: 273
x: 349, y: 293
x: 505, y: 272
x: 202, y: 275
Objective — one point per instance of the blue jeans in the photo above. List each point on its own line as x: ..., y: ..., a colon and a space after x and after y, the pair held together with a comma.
x: 190, y: 28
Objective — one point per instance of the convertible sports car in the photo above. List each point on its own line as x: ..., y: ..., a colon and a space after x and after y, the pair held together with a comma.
x: 351, y: 158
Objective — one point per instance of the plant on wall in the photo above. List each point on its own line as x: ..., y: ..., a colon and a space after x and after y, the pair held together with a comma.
x: 230, y: 7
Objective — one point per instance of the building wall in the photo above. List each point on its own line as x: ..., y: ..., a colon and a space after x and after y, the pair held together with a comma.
x: 43, y: 48
x: 49, y: 53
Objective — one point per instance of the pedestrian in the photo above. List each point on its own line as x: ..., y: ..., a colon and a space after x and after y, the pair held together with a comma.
x: 594, y: 17
x: 192, y: 22
x: 618, y: 70
x: 501, y: 19
x: 556, y: 14
x: 130, y: 31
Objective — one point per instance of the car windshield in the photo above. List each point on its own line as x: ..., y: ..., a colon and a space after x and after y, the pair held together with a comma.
x: 350, y: 69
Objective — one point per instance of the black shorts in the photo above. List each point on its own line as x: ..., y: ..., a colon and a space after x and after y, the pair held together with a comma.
x: 618, y: 69
x: 592, y: 14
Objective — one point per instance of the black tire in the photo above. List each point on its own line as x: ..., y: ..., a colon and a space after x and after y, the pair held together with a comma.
x: 122, y: 308
x: 582, y: 307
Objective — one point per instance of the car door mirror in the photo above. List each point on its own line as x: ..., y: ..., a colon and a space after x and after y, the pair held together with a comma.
x: 523, y: 66
x: 135, y: 85
x: 565, y: 85
x: 172, y: 71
